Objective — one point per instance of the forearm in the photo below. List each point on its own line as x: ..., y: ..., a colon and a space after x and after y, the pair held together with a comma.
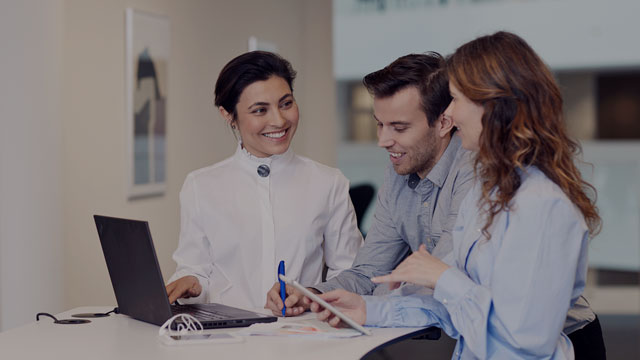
x: 408, y: 311
x: 351, y: 280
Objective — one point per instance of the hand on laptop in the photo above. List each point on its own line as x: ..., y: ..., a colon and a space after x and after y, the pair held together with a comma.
x: 295, y: 301
x: 185, y: 287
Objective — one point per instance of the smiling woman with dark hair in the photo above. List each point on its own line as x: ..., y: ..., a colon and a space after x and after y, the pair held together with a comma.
x: 264, y: 204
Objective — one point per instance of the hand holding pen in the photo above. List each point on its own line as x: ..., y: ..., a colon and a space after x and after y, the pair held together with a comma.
x: 292, y: 305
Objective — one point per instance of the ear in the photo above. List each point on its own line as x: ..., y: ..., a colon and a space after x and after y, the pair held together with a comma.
x: 227, y: 117
x: 444, y: 124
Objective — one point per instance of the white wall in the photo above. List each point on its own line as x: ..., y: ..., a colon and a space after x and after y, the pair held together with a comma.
x: 204, y: 36
x: 31, y: 205
x: 567, y: 34
x: 63, y: 129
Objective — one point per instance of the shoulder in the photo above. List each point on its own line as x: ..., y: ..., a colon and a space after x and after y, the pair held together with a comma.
x: 318, y: 170
x: 538, y: 195
x: 536, y: 185
x: 463, y: 164
x: 210, y: 172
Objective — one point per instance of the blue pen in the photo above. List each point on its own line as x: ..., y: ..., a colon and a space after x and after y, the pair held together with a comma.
x: 283, y: 287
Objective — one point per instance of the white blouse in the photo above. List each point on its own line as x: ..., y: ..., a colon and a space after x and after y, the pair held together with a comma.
x: 237, y: 225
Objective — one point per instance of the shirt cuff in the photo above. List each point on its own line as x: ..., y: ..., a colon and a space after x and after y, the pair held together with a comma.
x: 374, y: 308
x: 452, y: 286
x: 380, y: 311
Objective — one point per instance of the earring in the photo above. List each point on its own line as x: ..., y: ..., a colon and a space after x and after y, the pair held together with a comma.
x: 233, y: 127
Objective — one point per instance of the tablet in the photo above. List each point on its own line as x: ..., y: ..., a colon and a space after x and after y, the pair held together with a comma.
x: 326, y: 305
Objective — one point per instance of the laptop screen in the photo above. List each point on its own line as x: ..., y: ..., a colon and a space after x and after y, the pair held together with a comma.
x: 134, y: 269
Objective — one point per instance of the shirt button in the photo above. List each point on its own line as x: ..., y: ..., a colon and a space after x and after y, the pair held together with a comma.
x: 444, y: 301
x: 263, y: 170
x: 425, y: 204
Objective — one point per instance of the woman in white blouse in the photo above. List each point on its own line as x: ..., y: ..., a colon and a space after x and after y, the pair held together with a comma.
x: 264, y: 204
x: 519, y: 260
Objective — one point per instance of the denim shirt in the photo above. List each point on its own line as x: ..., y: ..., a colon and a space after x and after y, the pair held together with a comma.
x: 409, y: 212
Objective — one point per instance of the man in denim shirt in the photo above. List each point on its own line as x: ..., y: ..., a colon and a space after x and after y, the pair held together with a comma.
x: 430, y: 174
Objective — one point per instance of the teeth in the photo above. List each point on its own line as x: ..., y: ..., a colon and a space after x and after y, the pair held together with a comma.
x: 275, y: 135
x: 395, y: 155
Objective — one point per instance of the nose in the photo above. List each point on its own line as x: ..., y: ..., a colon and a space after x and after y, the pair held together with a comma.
x: 278, y: 120
x: 385, y: 140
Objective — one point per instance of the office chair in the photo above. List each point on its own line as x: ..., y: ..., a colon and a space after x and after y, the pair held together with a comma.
x: 361, y: 196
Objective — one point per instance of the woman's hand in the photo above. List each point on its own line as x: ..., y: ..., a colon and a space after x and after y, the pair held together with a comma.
x: 348, y: 303
x: 420, y: 268
x: 294, y: 301
x: 185, y: 287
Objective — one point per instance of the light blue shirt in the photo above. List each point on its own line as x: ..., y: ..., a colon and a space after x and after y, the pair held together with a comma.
x: 506, y: 297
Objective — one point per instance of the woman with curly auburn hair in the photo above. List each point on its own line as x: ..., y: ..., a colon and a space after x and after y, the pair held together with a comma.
x: 513, y: 287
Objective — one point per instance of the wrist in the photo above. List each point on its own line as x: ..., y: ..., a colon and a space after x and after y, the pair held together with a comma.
x: 441, y: 269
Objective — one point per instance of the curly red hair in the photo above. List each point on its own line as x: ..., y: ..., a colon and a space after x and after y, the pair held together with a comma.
x: 522, y: 123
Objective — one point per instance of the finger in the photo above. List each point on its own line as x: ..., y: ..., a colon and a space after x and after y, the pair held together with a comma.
x: 331, y: 296
x: 323, y: 315
x: 195, y: 290
x: 170, y: 287
x: 172, y: 298
x: 275, y: 298
x: 175, y: 295
x: 293, y: 311
x: 394, y: 285
x: 291, y: 300
x: 290, y: 290
x: 335, y: 321
x: 383, y: 279
x: 269, y: 304
x: 314, y: 307
x: 274, y: 310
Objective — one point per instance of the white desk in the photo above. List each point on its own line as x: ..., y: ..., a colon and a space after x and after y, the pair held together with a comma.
x: 121, y: 337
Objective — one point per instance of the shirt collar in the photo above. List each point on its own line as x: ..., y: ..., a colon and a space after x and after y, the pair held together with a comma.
x: 274, y: 160
x: 438, y: 175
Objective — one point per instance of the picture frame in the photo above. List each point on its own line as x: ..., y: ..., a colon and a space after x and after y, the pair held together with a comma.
x: 147, y: 49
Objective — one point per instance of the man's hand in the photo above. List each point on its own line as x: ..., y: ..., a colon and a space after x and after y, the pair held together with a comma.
x: 348, y: 303
x: 420, y: 268
x: 294, y: 302
x: 185, y: 287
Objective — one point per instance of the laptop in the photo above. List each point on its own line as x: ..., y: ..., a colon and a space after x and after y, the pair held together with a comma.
x: 138, y: 285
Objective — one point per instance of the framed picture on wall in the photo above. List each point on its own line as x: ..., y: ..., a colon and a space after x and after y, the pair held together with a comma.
x: 146, y: 68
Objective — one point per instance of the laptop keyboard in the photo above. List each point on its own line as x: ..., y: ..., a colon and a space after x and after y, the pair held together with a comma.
x: 198, y: 313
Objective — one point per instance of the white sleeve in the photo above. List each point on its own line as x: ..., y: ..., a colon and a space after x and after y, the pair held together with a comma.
x: 193, y: 253
x: 342, y: 238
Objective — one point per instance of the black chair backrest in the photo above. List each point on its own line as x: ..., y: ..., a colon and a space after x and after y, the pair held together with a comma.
x: 361, y: 196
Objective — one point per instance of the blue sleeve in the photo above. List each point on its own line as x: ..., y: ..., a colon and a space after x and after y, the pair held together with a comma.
x: 381, y: 252
x: 408, y: 311
x: 523, y: 307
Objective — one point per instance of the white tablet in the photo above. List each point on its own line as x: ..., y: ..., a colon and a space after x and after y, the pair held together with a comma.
x: 326, y: 305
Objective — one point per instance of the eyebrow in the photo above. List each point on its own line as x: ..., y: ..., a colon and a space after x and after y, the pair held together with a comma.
x: 393, y: 123
x: 262, y: 103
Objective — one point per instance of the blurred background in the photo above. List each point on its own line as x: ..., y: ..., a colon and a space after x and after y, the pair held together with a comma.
x: 64, y: 132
